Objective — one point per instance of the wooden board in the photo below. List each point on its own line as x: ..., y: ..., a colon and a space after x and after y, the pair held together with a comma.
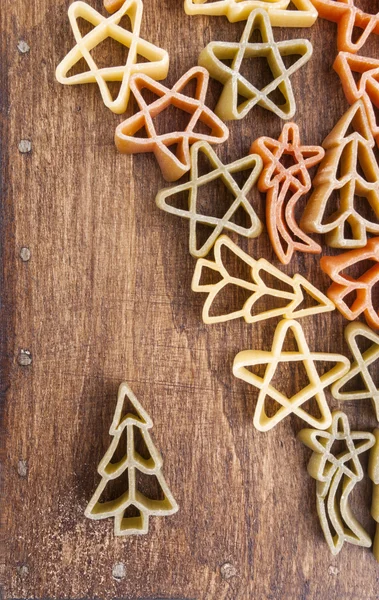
x: 106, y: 297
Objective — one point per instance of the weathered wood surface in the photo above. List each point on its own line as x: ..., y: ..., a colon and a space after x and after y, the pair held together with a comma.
x: 106, y: 297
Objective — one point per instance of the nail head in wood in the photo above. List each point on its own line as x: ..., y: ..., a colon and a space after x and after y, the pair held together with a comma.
x: 118, y: 571
x: 25, y: 146
x: 228, y: 571
x: 22, y: 467
x: 25, y: 254
x: 24, y: 358
x: 23, y: 47
x: 23, y: 571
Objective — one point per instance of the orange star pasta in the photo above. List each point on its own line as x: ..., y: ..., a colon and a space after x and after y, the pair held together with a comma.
x: 366, y: 88
x: 348, y: 16
x: 362, y: 286
x: 173, y: 165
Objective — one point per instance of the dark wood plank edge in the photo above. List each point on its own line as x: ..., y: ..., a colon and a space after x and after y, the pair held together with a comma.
x: 7, y: 270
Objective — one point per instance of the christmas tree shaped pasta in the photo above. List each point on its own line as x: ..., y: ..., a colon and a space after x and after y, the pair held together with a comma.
x: 350, y: 170
x: 133, y: 424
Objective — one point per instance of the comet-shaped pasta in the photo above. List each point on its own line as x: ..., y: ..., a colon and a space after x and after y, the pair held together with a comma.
x: 337, y: 476
x: 285, y: 186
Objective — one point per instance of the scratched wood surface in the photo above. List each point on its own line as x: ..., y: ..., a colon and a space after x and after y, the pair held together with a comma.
x: 106, y: 297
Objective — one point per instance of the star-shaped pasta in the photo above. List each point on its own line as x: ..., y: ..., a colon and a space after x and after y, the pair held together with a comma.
x: 314, y: 389
x: 363, y: 286
x: 366, y: 87
x: 173, y: 165
x: 348, y: 16
x: 235, y: 84
x: 361, y: 366
x: 216, y: 224
x: 236, y: 10
x: 108, y: 27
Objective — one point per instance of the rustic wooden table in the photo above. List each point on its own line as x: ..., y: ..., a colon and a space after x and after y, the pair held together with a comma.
x: 104, y: 296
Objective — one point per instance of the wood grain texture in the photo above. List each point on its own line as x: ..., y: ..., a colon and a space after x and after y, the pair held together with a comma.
x: 106, y: 297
